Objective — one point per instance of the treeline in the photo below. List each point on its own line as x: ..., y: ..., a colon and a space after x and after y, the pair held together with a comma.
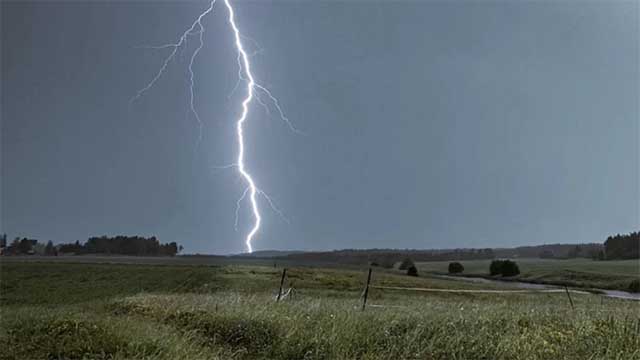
x: 23, y: 246
x: 622, y: 246
x: 616, y: 247
x: 553, y: 251
x: 388, y: 257
x: 117, y: 245
x: 122, y: 245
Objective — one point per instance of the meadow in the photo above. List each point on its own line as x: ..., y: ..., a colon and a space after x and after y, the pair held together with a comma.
x: 126, y: 311
x: 579, y: 272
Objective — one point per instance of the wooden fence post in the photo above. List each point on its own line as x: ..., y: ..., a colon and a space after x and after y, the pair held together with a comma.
x: 284, y: 272
x: 366, y: 290
x: 569, y: 296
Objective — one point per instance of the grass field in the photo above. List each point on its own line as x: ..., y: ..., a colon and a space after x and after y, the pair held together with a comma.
x: 614, y: 275
x: 117, y: 311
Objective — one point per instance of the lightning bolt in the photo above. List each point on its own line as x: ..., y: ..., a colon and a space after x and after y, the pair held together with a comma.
x: 253, y: 92
x: 195, y: 29
x: 246, y: 68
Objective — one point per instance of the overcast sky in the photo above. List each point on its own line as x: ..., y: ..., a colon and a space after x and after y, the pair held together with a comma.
x: 429, y: 124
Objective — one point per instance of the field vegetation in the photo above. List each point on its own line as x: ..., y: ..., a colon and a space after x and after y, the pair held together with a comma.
x: 584, y: 273
x: 116, y: 311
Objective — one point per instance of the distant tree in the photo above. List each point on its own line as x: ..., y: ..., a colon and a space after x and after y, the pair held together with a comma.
x: 623, y: 246
x: 79, y: 248
x: 13, y: 248
x: 634, y: 286
x: 510, y: 268
x: 49, y: 249
x: 67, y: 249
x: 169, y: 249
x: 496, y: 267
x: 406, y: 264
x: 38, y: 249
x: 125, y: 245
x: 596, y: 254
x: 174, y: 248
x: 575, y: 252
x: 412, y: 271
x: 504, y: 268
x: 455, y: 268
x: 26, y: 246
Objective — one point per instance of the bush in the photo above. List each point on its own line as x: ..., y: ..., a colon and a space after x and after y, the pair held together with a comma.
x: 412, y: 271
x: 406, y: 264
x: 504, y: 268
x: 455, y: 268
x: 634, y: 286
x: 510, y: 268
x: 496, y: 267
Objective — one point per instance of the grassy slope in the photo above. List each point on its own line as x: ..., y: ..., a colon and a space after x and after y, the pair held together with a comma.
x: 196, y: 312
x: 615, y: 275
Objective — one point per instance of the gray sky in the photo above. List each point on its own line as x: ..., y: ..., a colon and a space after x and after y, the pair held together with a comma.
x: 428, y: 124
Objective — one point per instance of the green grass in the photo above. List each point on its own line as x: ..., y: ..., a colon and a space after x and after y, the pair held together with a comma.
x: 99, y: 311
x: 614, y: 275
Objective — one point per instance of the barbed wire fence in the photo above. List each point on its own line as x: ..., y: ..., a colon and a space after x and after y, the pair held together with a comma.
x: 283, y: 293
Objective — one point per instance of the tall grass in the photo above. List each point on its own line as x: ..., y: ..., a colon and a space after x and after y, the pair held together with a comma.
x: 230, y: 313
x: 439, y: 328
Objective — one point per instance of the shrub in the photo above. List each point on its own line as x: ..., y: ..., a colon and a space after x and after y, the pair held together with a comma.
x: 634, y: 286
x: 455, y: 268
x: 412, y: 271
x: 406, y: 264
x: 504, y: 268
x: 510, y: 268
x: 496, y: 267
